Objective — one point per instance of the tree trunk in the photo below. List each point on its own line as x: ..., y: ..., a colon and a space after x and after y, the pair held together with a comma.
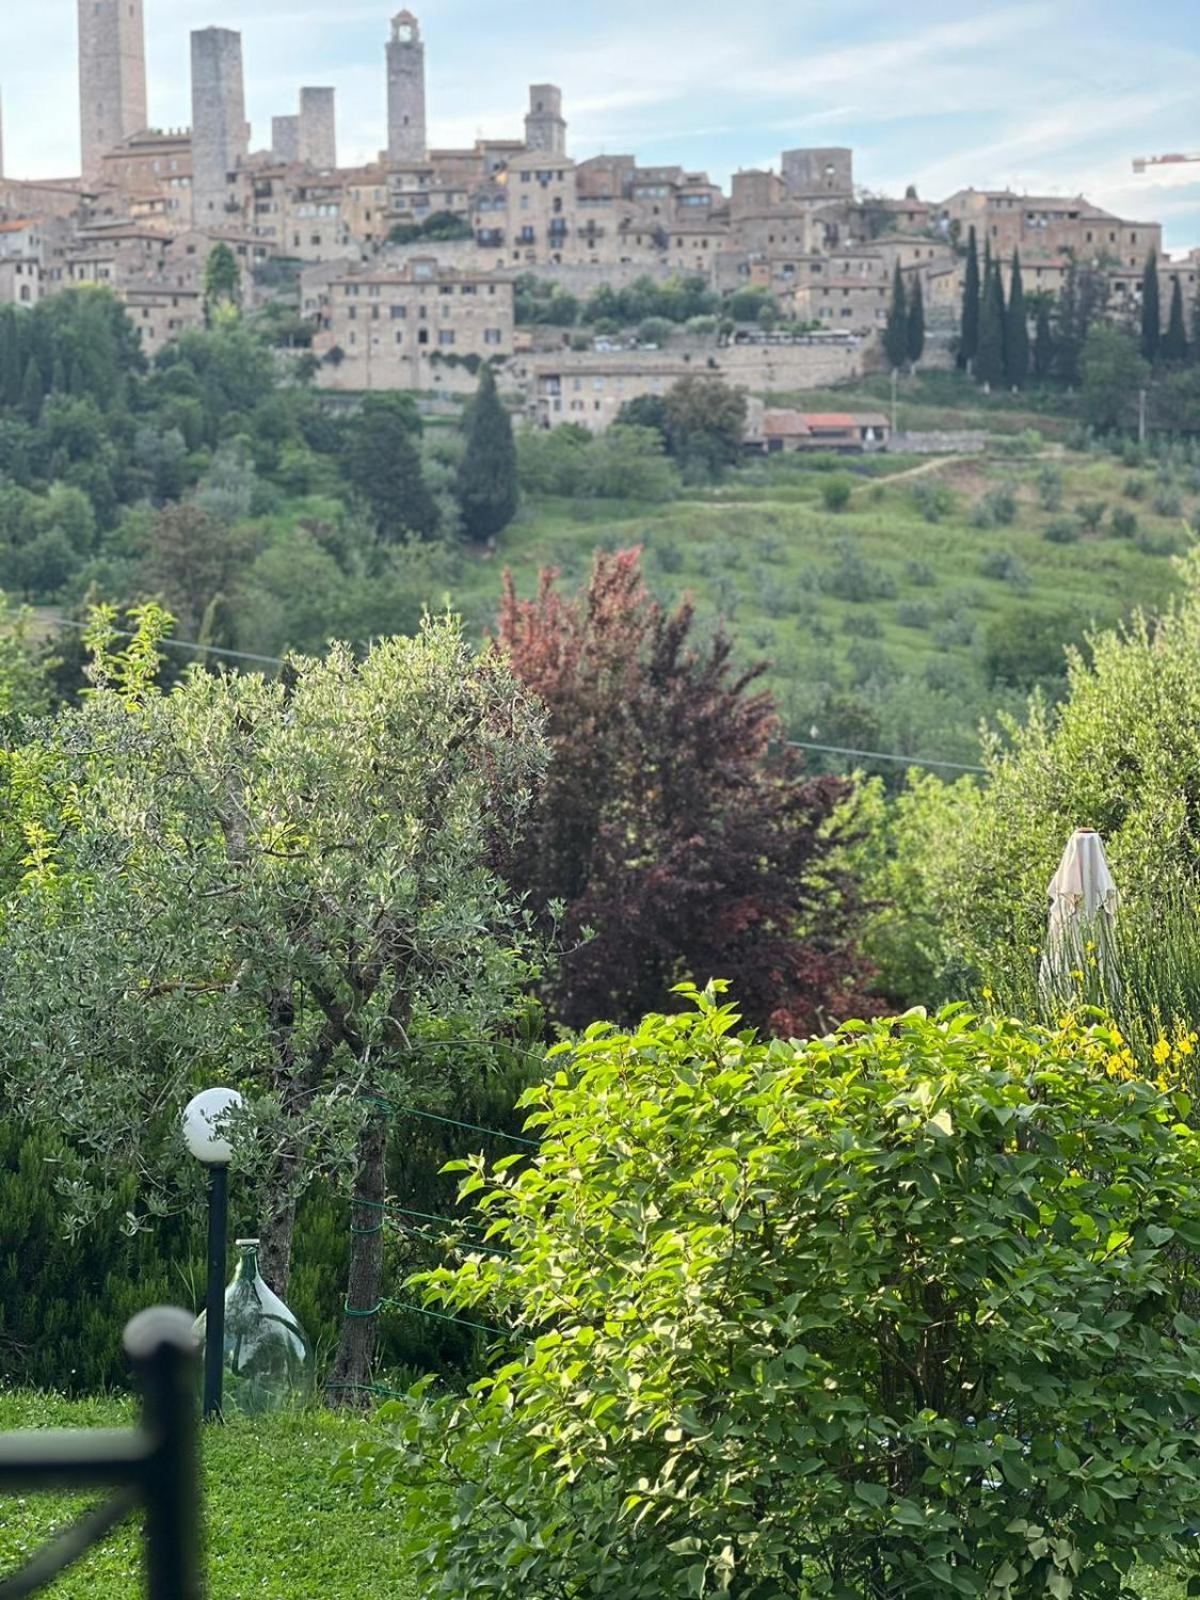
x: 356, y: 1349
x: 275, y: 1246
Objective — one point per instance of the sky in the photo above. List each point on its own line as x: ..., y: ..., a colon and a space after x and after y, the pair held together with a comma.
x: 1045, y: 96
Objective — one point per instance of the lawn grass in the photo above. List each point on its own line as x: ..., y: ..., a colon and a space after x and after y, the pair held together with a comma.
x: 276, y: 1529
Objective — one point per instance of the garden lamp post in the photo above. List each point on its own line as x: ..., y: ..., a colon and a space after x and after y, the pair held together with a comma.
x: 201, y: 1131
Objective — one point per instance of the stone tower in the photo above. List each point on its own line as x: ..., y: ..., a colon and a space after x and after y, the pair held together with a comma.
x: 220, y: 132
x: 112, y: 77
x: 318, y: 128
x: 285, y: 138
x: 407, y: 138
x: 545, y: 128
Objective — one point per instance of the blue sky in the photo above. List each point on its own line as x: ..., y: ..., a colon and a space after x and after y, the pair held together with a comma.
x: 1053, y: 96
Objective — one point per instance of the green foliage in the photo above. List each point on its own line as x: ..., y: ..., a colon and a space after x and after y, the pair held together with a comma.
x: 1125, y: 523
x: 1175, y: 340
x: 705, y: 421
x: 916, y: 322
x: 441, y: 227
x: 996, y: 509
x: 896, y: 332
x: 991, y: 365
x: 1091, y: 514
x: 903, y: 1310
x: 835, y: 493
x: 934, y: 501
x: 384, y: 466
x: 222, y: 283
x: 488, y: 490
x: 1151, y: 309
x: 968, y: 344
x: 1016, y: 332
x: 677, y: 298
x: 1112, y: 373
x: 1061, y: 530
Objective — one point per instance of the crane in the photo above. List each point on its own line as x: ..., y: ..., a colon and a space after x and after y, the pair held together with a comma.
x: 1144, y: 162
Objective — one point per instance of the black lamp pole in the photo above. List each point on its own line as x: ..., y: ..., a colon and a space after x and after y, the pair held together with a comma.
x: 214, y: 1311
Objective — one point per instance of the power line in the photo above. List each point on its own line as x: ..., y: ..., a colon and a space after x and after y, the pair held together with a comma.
x: 792, y: 744
x: 882, y: 755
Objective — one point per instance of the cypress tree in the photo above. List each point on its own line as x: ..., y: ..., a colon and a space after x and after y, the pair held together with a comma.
x: 1175, y: 342
x: 916, y: 323
x: 989, y: 363
x: 32, y: 391
x: 487, y: 479
x: 1151, y: 310
x: 895, y: 337
x: 1043, y: 349
x: 968, y: 344
x: 1016, y: 341
x: 11, y: 372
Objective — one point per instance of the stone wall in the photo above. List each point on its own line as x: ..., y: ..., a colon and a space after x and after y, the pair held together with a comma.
x: 318, y: 128
x: 938, y: 444
x: 220, y: 134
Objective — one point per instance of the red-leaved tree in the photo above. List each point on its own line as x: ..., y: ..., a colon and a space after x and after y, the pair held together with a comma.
x: 668, y: 824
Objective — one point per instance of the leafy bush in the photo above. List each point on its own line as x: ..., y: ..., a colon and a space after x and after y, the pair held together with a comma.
x: 852, y: 577
x: 920, y: 574
x: 1004, y: 566
x: 1124, y: 523
x: 1091, y: 514
x: 1062, y: 531
x: 1168, y: 503
x: 933, y: 500
x: 1050, y: 488
x: 904, y: 1311
x: 835, y: 492
x: 1135, y: 488
x: 996, y: 509
x: 914, y: 614
x: 1151, y: 543
x: 862, y: 625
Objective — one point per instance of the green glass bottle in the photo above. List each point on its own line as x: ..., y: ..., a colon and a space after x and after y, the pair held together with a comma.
x: 268, y: 1363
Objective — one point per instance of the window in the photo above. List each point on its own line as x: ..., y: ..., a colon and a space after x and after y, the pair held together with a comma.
x: 447, y: 336
x: 493, y: 336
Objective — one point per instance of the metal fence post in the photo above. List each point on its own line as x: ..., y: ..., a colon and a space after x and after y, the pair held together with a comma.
x: 162, y: 1347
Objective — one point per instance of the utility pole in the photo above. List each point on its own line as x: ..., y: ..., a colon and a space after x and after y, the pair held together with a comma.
x: 1142, y: 416
x: 895, y: 402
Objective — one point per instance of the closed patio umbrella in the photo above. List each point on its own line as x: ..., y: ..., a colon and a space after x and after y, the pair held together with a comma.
x: 1083, y: 917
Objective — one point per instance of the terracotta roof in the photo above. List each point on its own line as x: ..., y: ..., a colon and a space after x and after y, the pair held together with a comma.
x: 829, y: 419
x: 784, y: 425
x: 18, y: 226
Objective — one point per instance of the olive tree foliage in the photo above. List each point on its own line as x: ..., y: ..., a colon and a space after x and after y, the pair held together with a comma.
x: 969, y: 864
x: 898, y: 1313
x: 281, y: 885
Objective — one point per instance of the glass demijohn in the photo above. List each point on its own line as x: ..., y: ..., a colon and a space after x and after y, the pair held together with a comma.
x: 268, y: 1364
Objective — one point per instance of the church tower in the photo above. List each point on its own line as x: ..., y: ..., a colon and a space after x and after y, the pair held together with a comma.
x: 407, y: 136
x: 545, y: 126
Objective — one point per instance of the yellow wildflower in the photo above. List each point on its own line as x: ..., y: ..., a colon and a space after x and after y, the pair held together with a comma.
x: 1161, y: 1053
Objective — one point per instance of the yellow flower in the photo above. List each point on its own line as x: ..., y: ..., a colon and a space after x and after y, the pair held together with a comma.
x: 1161, y: 1053
x: 1185, y: 1047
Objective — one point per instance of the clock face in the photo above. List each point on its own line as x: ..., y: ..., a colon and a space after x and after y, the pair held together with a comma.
x: 406, y: 33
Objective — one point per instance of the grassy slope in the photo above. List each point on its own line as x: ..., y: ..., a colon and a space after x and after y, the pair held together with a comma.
x: 756, y: 550
x: 276, y: 1529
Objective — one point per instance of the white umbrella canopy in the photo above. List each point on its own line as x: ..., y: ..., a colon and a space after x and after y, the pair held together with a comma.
x: 1083, y: 918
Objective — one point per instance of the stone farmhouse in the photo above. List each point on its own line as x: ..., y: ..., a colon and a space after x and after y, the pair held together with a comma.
x: 407, y: 265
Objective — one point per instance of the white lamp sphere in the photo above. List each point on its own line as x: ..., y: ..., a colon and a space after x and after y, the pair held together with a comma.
x: 199, y: 1125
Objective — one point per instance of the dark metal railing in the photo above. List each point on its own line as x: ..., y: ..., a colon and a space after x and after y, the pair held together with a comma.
x: 154, y: 1466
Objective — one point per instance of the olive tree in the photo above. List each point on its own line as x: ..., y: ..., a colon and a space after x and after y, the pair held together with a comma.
x: 284, y: 885
x: 905, y: 1311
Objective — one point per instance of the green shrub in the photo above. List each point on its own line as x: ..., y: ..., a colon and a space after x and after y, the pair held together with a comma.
x: 914, y: 614
x: 1050, y: 488
x: 1168, y: 503
x: 852, y: 577
x: 904, y: 1311
x: 1135, y: 488
x: 1124, y: 523
x: 835, y: 492
x: 862, y: 625
x: 1004, y: 566
x: 920, y: 574
x: 1091, y: 514
x: 933, y: 500
x: 996, y: 509
x: 1062, y: 531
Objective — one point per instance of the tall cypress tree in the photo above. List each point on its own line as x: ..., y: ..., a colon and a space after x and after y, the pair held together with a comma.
x: 1151, y: 310
x: 1175, y: 341
x: 1016, y: 338
x: 916, y: 322
x: 1043, y: 349
x: 989, y: 363
x: 33, y: 391
x: 487, y: 479
x: 895, y: 337
x: 968, y: 344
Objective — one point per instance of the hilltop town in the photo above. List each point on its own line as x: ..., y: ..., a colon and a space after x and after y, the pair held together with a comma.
x: 409, y: 272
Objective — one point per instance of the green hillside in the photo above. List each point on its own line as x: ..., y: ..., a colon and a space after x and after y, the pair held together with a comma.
x: 915, y: 610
